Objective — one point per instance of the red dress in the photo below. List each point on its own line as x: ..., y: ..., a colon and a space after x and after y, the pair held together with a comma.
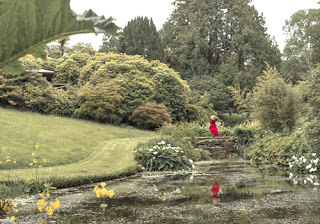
x: 213, y: 127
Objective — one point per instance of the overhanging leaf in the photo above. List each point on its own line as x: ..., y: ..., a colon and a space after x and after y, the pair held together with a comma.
x: 30, y: 24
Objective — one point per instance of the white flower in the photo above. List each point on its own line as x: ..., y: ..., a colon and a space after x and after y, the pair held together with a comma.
x: 190, y: 160
x: 163, y: 142
x: 150, y: 150
x: 309, y: 166
x: 305, y: 181
x: 290, y: 165
x: 313, y: 154
x: 153, y: 157
x: 316, y: 183
x: 155, y: 153
x: 304, y: 160
x: 176, y: 150
x: 313, y: 169
x: 316, y: 161
x: 290, y: 175
x: 309, y: 179
x: 295, y: 182
x: 313, y: 176
x: 295, y: 158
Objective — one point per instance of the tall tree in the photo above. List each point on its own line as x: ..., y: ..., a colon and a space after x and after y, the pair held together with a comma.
x: 110, y: 43
x: 302, y: 50
x: 141, y: 37
x: 203, y: 34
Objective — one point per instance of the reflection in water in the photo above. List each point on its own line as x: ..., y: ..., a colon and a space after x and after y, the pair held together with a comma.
x: 243, y: 194
x: 215, y: 191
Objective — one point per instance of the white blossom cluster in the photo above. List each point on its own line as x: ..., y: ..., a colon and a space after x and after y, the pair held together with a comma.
x: 313, y: 179
x: 302, y: 163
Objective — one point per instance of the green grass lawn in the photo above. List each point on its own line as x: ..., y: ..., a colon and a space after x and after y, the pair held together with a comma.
x: 43, y: 146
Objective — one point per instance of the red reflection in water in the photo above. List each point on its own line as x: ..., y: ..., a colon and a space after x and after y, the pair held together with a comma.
x: 215, y: 189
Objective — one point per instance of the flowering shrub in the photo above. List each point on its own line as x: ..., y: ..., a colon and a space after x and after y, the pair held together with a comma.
x: 302, y: 164
x: 163, y: 157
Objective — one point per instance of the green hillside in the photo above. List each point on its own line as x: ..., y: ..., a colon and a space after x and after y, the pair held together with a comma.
x: 45, y: 146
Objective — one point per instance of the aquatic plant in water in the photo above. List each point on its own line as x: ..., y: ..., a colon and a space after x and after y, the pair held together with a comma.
x: 103, y: 192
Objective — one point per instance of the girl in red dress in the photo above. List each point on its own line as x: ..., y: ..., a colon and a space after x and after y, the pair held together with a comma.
x: 213, y: 127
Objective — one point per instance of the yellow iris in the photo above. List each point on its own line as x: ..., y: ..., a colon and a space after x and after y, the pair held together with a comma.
x: 98, y: 193
x: 111, y: 193
x: 41, y: 204
x: 56, y: 204
x: 104, y: 191
x: 49, y: 210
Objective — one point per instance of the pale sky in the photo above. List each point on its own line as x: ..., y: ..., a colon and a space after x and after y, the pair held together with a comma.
x: 274, y: 11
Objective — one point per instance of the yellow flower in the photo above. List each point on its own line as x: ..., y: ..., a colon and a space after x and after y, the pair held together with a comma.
x: 95, y: 189
x: 49, y: 210
x: 16, y: 210
x: 103, y: 184
x: 14, y: 205
x: 40, y: 166
x: 56, y: 204
x: 36, y: 147
x: 12, y: 218
x: 104, y: 191
x: 41, y: 204
x: 31, y: 164
x: 53, y: 188
x: 44, y: 160
x: 33, y: 154
x: 111, y: 193
x: 0, y: 161
x: 42, y: 194
x: 48, y: 195
x: 98, y: 193
x: 14, y: 161
x: 34, y: 161
x: 8, y: 160
x: 6, y: 207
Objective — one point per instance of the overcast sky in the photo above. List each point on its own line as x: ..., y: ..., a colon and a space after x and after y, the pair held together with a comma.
x: 274, y: 11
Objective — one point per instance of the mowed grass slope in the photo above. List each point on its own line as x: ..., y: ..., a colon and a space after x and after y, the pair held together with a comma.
x: 70, y: 147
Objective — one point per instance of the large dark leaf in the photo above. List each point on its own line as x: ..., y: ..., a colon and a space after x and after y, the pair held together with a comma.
x: 26, y: 25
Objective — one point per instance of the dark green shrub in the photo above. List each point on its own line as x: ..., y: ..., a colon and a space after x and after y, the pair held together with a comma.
x: 150, y: 116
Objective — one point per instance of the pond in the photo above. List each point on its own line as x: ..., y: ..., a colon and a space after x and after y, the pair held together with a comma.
x: 216, y: 192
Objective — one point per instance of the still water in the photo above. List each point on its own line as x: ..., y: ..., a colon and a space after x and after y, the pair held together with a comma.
x: 216, y: 192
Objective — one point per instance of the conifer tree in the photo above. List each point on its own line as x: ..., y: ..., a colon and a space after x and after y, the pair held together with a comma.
x: 141, y: 37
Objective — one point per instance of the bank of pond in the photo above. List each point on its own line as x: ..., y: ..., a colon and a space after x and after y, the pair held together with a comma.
x: 213, y: 192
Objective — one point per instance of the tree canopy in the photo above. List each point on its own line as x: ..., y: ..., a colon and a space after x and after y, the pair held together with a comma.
x: 203, y: 35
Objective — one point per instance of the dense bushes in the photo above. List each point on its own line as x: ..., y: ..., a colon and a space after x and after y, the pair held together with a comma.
x: 31, y: 91
x: 100, y: 103
x: 313, y: 98
x: 104, y: 87
x: 273, y: 102
x: 150, y: 116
